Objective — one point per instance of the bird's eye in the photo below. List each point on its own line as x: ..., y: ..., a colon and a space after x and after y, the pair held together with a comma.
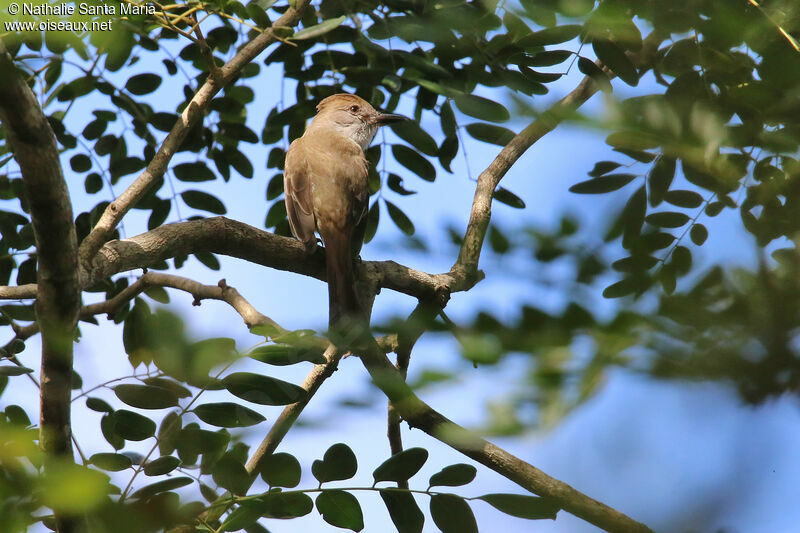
x: 354, y: 109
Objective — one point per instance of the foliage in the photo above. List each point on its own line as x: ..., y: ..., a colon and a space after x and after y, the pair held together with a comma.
x: 707, y: 128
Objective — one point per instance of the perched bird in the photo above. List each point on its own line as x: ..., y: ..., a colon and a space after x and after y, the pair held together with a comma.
x: 326, y: 189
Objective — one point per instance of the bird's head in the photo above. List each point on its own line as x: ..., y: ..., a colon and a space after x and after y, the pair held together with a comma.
x: 353, y: 117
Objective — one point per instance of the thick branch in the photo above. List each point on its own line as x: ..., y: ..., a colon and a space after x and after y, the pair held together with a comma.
x: 229, y: 237
x: 193, y: 112
x: 58, y: 298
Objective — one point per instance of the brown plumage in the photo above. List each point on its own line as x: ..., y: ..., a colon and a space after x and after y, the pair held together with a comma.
x: 327, y: 190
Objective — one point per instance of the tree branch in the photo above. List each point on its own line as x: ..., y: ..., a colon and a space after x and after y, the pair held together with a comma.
x: 229, y: 237
x: 420, y: 415
x: 58, y: 291
x: 193, y: 112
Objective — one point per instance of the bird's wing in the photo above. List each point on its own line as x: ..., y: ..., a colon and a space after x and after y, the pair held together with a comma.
x: 297, y: 191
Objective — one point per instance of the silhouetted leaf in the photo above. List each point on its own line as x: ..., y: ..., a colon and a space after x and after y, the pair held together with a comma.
x: 680, y: 198
x: 614, y: 58
x: 481, y: 108
x: 698, y: 234
x: 413, y: 134
x: 504, y: 196
x: 403, y: 510
x: 554, y: 35
x: 400, y: 218
x: 667, y: 219
x: 264, y: 390
x: 280, y: 505
x: 490, y: 133
x: 142, y: 84
x: 452, y: 514
x: 339, y: 462
x: 660, y: 179
x: 521, y: 506
x: 414, y: 162
x: 280, y: 470
x: 340, y: 509
x: 453, y: 476
x: 132, y: 426
x: 146, y: 396
x: 232, y: 475
x: 401, y: 466
x: 113, y: 462
x: 161, y: 486
x: 603, y: 167
x: 282, y: 355
x: 204, y: 201
x: 227, y: 414
x: 12, y: 370
x: 395, y: 183
x: 193, y: 172
x: 163, y: 465
x: 318, y: 29
x: 603, y: 184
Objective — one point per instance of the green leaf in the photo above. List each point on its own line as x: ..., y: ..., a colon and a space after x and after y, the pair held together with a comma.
x: 232, y: 475
x: 589, y: 68
x: 614, y: 58
x: 395, y: 183
x: 667, y: 219
x: 660, y: 179
x: 80, y: 163
x: 161, y: 486
x: 280, y: 505
x: 113, y: 462
x: 698, y: 234
x: 452, y: 514
x: 399, y: 218
x: 243, y: 516
x: 338, y: 463
x: 146, y: 396
x: 107, y: 428
x: 414, y: 162
x: 413, y: 134
x: 453, y: 476
x: 555, y: 35
x: 633, y: 217
x: 283, y: 354
x: 196, y: 171
x: 401, y: 466
x: 71, y: 489
x: 507, y: 197
x: 621, y: 288
x: 481, y: 108
x: 681, y: 198
x: 340, y: 509
x: 13, y: 370
x: 264, y: 390
x: 227, y: 415
x: 603, y: 167
x: 93, y: 183
x: 319, y: 29
x: 96, y: 404
x: 603, y: 184
x: 203, y: 200
x: 403, y: 510
x: 522, y: 506
x: 143, y: 84
x: 163, y: 465
x: 280, y: 470
x: 489, y: 133
x: 132, y: 426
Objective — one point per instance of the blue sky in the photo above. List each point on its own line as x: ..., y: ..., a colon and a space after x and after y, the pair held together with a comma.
x: 654, y: 450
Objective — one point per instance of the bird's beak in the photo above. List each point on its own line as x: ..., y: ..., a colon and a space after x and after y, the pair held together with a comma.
x: 388, y: 118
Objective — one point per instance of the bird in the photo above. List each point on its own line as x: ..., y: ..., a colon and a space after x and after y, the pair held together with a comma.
x: 326, y: 190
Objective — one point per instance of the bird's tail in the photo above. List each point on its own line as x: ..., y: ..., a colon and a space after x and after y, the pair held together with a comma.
x: 344, y: 308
